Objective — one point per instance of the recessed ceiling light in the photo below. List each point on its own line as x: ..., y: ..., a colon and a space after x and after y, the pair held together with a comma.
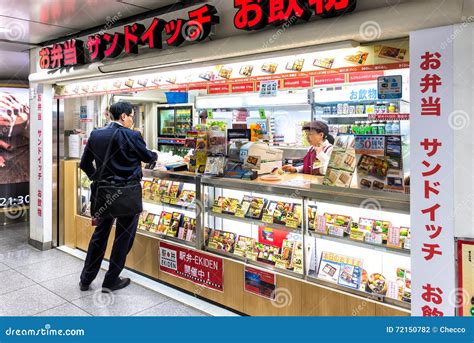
x: 5, y: 29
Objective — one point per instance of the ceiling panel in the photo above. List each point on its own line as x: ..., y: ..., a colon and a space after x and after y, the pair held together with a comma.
x: 14, y: 65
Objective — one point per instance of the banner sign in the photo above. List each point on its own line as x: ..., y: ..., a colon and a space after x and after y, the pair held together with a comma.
x: 432, y: 170
x: 202, y: 269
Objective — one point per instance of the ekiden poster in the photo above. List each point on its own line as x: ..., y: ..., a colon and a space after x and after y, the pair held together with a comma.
x: 14, y: 150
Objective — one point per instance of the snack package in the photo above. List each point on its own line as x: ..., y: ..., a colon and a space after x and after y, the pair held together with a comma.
x: 376, y: 284
x: 283, y: 260
x: 154, y: 226
x: 175, y: 224
x: 148, y: 222
x: 294, y: 217
x: 164, y: 223
x: 267, y: 253
x: 337, y: 225
x: 256, y: 208
x: 175, y: 189
x: 222, y: 240
x: 243, y: 207
x: 142, y: 220
x: 218, y: 205
x: 404, y: 284
x: 163, y: 189
x: 312, y: 217
x: 146, y: 189
x: 187, y: 228
x: 243, y: 246
x: 230, y: 206
x: 187, y: 197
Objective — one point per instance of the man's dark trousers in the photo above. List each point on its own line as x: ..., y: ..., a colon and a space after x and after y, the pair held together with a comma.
x: 126, y: 228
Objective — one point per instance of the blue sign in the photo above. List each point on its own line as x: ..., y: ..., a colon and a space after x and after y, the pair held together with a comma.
x: 390, y: 87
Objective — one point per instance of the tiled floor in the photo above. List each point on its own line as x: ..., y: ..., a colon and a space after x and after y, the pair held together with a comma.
x: 36, y: 283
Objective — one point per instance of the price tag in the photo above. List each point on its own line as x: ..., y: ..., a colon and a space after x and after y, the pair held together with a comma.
x: 407, y: 243
x: 357, y: 235
x: 165, y: 199
x: 321, y: 227
x: 374, y: 238
x: 216, y: 209
x: 261, y: 112
x: 267, y: 218
x: 174, y: 201
x: 292, y: 222
x: 336, y: 230
x: 240, y: 213
x: 393, y: 237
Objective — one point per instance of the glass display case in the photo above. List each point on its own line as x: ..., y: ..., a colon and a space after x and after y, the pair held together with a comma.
x: 354, y: 240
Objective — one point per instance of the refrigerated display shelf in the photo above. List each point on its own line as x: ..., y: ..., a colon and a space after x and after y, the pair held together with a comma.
x: 367, y: 245
x: 252, y: 221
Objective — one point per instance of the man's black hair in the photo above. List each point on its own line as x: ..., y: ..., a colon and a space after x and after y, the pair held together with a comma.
x: 120, y: 107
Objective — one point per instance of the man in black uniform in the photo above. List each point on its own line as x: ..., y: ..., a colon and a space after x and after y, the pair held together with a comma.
x: 123, y: 165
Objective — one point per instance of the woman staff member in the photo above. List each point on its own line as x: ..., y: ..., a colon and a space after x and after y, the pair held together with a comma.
x: 317, y: 158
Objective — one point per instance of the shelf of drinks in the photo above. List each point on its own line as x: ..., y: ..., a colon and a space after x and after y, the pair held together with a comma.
x: 252, y: 221
x: 362, y: 244
x: 165, y: 237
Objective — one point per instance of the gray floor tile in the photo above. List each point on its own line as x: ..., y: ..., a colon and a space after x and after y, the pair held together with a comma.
x: 3, y: 267
x: 124, y: 302
x: 52, y: 269
x: 65, y: 310
x: 28, y: 301
x: 68, y: 286
x: 171, y: 308
x: 28, y: 256
x: 11, y: 280
x: 9, y: 244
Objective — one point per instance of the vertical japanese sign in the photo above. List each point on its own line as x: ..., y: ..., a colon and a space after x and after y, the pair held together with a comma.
x: 192, y: 265
x: 432, y: 190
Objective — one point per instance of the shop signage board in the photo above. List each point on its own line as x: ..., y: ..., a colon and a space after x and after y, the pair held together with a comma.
x: 389, y: 87
x: 256, y: 14
x: 432, y: 170
x: 465, y: 277
x: 202, y: 269
x: 259, y: 282
x: 196, y: 28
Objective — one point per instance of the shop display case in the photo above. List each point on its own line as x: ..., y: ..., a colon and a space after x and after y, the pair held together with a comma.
x: 352, y: 240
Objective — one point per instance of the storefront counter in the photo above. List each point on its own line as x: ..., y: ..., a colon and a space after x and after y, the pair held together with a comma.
x: 294, y: 295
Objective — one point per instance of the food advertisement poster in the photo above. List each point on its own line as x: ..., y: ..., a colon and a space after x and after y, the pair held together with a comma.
x: 14, y: 149
x: 260, y: 282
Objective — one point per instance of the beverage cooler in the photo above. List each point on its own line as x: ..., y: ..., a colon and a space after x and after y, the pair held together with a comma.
x: 173, y: 124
